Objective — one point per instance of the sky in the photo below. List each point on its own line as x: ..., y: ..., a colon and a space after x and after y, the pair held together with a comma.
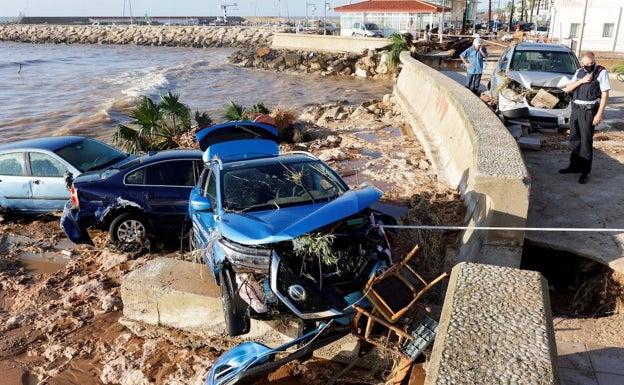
x: 284, y: 8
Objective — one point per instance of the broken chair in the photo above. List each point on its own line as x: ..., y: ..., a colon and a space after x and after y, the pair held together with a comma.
x: 392, y: 321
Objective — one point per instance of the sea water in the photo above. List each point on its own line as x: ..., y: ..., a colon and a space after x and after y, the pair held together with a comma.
x: 90, y: 89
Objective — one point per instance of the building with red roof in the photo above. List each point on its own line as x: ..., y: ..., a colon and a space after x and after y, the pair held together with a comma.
x: 400, y: 16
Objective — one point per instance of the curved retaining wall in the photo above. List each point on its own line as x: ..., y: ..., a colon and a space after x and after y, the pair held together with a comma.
x: 473, y: 151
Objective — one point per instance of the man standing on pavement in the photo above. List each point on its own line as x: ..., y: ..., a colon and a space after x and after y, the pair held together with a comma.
x: 590, y: 92
x: 472, y: 58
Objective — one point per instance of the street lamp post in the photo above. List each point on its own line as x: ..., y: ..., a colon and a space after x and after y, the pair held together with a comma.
x: 327, y: 8
x: 441, y: 27
x: 313, y: 9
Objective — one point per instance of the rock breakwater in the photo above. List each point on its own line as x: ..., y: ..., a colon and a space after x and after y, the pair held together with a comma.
x: 254, y: 43
x: 368, y: 64
x: 144, y: 35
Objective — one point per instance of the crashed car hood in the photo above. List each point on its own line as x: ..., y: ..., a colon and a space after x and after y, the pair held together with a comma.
x: 540, y: 79
x: 268, y: 226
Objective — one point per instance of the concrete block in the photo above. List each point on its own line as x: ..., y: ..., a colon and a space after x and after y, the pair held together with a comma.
x: 180, y: 294
x: 529, y: 143
x: 172, y: 293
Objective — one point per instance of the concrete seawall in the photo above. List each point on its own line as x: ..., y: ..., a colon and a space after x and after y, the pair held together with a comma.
x: 471, y: 150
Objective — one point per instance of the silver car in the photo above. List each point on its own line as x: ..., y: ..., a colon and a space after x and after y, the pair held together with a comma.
x: 33, y: 172
x: 528, y: 80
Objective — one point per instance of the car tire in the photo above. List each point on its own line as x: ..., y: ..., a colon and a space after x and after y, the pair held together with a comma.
x: 237, y: 321
x: 194, y: 248
x: 127, y: 228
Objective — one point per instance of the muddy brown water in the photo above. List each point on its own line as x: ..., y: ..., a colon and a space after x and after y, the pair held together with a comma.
x: 43, y: 262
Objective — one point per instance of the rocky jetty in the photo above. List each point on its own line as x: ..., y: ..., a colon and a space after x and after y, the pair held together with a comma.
x: 145, y: 35
x: 369, y: 64
x: 254, y: 43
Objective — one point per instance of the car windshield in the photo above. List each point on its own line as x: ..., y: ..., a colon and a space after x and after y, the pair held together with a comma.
x: 90, y: 154
x: 279, y: 184
x: 544, y: 61
x: 371, y: 26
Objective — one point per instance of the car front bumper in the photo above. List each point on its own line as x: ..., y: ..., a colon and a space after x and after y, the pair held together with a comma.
x: 539, y: 117
x: 69, y: 224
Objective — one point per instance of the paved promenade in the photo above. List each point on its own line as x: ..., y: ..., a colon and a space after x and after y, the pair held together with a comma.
x: 559, y: 201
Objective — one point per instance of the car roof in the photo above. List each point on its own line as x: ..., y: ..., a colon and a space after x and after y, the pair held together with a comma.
x: 170, y: 154
x: 530, y: 46
x: 49, y: 143
x: 295, y: 156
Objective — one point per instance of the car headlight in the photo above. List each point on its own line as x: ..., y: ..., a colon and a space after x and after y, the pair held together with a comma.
x: 246, y: 258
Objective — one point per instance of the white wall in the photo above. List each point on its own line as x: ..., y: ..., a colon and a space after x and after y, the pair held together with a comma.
x: 599, y: 13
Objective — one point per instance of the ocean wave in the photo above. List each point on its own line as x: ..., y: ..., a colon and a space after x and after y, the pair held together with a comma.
x: 21, y: 63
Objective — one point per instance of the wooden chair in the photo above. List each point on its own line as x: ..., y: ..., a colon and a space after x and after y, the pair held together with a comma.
x: 392, y: 322
x: 396, y: 292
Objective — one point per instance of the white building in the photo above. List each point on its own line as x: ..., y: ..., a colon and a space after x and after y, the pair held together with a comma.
x: 604, y: 29
x: 399, y: 16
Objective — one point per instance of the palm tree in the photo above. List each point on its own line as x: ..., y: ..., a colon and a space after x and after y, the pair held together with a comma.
x: 398, y: 43
x: 158, y: 126
x: 235, y: 112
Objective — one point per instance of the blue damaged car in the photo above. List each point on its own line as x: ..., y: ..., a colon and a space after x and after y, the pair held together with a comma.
x: 282, y: 233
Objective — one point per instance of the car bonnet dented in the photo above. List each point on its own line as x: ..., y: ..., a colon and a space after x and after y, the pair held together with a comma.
x: 268, y: 226
x: 540, y: 79
x: 238, y: 140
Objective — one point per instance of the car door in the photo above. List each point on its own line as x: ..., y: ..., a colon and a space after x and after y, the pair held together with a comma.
x: 14, y: 182
x: 47, y: 182
x: 163, y: 188
x: 204, y: 221
x: 498, y: 74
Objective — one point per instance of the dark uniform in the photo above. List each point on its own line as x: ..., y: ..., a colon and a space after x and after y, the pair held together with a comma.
x: 586, y: 100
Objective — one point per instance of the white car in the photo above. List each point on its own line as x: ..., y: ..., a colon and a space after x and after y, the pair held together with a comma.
x: 528, y: 80
x: 366, y: 30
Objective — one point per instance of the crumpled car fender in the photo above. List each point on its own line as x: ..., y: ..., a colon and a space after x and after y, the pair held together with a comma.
x: 105, y: 213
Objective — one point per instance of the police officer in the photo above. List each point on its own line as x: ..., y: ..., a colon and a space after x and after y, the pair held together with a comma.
x: 590, y: 92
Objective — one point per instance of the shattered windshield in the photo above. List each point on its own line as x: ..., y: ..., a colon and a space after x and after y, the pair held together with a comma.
x: 544, y: 61
x: 279, y: 184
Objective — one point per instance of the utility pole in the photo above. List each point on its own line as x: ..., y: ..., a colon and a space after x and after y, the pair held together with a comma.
x: 487, y: 28
x: 580, y: 39
x: 441, y: 27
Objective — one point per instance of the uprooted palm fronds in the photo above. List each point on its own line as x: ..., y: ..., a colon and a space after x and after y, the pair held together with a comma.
x: 445, y: 208
x: 599, y: 296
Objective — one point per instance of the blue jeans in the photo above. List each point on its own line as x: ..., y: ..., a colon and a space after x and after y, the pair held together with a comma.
x: 474, y: 82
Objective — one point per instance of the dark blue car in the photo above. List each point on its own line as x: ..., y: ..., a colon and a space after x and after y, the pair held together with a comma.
x: 146, y: 196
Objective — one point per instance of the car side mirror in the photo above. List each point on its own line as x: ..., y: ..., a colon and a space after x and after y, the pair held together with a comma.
x: 201, y: 204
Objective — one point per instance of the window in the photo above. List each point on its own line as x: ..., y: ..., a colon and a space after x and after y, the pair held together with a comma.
x: 176, y: 173
x: 574, y: 27
x: 210, y: 188
x: 12, y: 164
x: 45, y: 166
x: 607, y: 29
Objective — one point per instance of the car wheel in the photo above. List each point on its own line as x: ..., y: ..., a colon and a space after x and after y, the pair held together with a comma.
x: 353, y: 34
x: 234, y: 308
x: 195, y: 252
x: 128, y: 227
